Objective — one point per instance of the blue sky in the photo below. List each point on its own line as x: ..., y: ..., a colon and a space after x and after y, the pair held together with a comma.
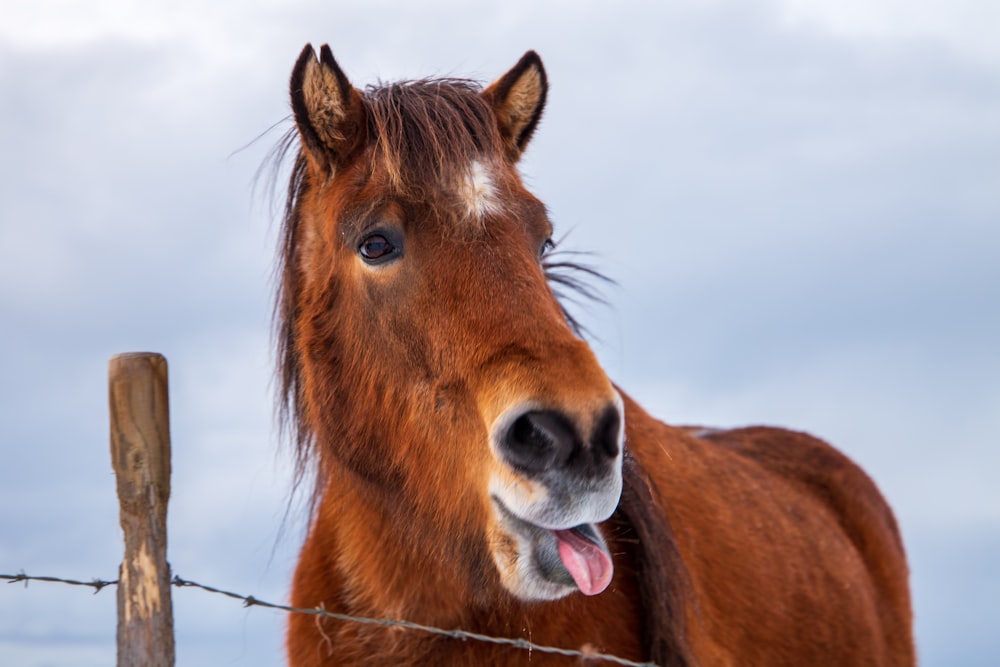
x: 800, y: 202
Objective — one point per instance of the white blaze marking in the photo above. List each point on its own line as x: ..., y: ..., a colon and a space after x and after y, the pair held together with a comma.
x: 478, y: 191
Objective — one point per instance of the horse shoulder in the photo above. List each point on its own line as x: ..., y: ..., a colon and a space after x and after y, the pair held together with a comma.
x: 777, y: 530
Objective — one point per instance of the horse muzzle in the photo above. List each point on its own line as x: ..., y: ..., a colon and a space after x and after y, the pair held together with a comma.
x: 558, y: 476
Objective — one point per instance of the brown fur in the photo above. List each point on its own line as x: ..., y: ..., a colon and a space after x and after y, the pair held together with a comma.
x: 749, y: 547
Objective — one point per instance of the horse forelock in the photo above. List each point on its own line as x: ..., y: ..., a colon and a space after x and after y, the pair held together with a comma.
x: 430, y: 132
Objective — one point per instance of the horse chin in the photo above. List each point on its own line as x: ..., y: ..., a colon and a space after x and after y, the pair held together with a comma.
x: 528, y: 558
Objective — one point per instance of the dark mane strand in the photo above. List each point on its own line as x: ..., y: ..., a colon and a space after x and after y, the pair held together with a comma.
x: 289, y: 381
x: 664, y: 583
x: 572, y: 281
x: 270, y: 167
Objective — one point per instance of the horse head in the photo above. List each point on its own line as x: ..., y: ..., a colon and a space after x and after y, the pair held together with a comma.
x: 427, y: 365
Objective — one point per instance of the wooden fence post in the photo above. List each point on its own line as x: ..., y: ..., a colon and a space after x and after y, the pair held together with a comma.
x: 140, y: 454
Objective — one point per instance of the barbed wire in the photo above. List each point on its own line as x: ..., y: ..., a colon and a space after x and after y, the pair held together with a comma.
x: 96, y: 584
x: 251, y: 601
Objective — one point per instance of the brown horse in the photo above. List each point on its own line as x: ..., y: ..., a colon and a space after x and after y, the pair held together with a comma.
x: 474, y: 466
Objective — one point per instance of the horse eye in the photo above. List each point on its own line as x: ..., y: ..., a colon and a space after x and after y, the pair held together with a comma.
x: 547, y: 247
x: 375, y: 248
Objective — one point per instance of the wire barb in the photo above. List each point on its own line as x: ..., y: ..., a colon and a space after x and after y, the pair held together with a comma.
x: 319, y: 612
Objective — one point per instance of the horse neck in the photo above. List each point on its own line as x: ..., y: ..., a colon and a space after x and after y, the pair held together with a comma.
x: 396, y: 553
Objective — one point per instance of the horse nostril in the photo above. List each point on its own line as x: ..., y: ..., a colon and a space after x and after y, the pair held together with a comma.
x: 540, y: 440
x: 607, y: 433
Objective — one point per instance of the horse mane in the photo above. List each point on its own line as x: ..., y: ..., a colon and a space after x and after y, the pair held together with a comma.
x: 290, y: 411
x: 663, y: 579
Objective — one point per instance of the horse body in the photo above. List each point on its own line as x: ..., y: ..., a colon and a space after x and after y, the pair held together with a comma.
x: 470, y: 453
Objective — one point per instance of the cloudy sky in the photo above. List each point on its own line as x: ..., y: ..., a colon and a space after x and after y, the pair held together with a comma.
x: 798, y: 199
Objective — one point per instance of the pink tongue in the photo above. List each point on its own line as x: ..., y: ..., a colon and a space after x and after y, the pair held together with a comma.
x: 589, y: 564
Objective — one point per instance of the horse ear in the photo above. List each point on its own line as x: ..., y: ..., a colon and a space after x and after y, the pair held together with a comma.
x: 518, y: 98
x: 328, y: 111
